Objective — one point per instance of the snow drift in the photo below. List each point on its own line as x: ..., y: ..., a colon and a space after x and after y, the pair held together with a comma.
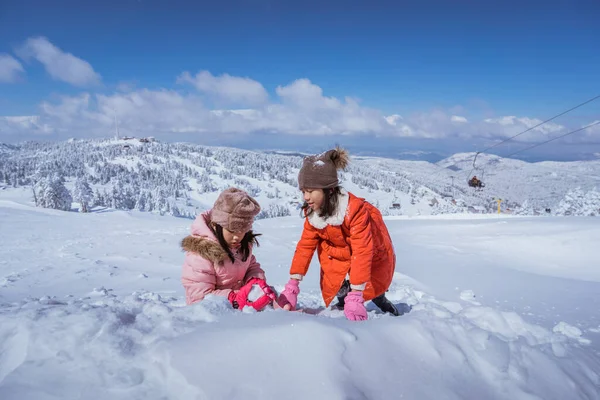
x: 91, y: 307
x: 144, y: 346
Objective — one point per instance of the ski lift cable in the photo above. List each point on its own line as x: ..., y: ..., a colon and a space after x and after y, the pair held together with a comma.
x: 521, y: 133
x: 540, y: 124
x: 558, y: 137
x: 544, y: 142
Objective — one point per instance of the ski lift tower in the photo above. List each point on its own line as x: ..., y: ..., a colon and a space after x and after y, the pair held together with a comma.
x: 116, y: 126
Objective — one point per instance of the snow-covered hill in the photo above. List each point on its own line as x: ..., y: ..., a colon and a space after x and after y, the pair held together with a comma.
x: 91, y: 306
x: 542, y: 184
x: 6, y: 148
x: 181, y: 179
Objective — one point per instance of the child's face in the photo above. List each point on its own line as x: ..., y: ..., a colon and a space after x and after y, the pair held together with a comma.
x: 233, y: 239
x: 314, y: 198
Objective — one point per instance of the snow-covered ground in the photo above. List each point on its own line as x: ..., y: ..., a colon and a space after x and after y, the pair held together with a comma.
x: 91, y: 306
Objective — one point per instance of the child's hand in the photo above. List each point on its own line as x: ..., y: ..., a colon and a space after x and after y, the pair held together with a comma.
x: 289, y: 297
x: 240, y: 299
x: 354, y: 307
x: 268, y: 296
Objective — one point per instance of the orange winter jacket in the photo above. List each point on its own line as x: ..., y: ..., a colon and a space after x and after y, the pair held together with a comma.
x: 353, y: 241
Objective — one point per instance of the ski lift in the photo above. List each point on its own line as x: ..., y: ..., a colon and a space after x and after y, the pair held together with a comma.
x: 474, y: 181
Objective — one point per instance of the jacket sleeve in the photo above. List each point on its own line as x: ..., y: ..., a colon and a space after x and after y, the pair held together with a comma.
x: 199, y: 279
x: 254, y: 270
x: 305, y: 249
x: 361, y: 241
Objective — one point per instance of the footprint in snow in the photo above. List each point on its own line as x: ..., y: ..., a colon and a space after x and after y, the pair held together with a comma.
x: 8, y: 279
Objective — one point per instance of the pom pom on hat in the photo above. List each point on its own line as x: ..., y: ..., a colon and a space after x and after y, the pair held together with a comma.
x: 320, y: 171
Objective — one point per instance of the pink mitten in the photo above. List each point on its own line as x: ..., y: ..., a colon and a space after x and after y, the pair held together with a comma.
x: 240, y: 299
x: 290, y: 294
x: 268, y: 295
x: 354, y: 307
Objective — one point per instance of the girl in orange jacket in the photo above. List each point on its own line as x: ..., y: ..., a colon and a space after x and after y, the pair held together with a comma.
x: 353, y: 244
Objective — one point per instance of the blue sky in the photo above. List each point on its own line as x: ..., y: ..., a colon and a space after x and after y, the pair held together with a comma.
x: 424, y: 61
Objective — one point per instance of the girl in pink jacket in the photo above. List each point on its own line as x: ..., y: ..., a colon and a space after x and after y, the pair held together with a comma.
x: 219, y: 259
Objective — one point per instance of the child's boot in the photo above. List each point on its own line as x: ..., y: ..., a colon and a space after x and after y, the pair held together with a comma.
x: 385, y: 305
x: 341, y: 296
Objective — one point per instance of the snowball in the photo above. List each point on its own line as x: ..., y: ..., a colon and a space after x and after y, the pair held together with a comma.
x: 255, y: 293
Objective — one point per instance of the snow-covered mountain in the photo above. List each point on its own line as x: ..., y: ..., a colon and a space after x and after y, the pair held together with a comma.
x: 522, y: 186
x: 181, y: 179
x: 6, y: 148
x: 545, y: 181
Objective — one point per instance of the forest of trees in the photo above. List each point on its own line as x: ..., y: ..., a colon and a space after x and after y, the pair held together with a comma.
x: 579, y: 203
x: 172, y: 178
x: 153, y: 177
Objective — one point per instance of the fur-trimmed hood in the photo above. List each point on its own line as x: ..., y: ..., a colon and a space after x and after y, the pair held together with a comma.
x: 336, y: 219
x: 203, y: 241
x: 204, y: 247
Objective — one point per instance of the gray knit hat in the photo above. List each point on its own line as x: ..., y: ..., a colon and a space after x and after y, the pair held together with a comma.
x: 320, y: 171
x: 235, y: 210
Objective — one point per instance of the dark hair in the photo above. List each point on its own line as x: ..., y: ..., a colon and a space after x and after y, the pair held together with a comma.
x: 330, y: 203
x: 249, y: 239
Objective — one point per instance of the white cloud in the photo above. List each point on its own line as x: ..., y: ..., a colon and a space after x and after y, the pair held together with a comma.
x: 432, y: 125
x: 593, y: 132
x: 593, y: 129
x: 508, y: 126
x: 527, y: 123
x: 394, y: 119
x: 23, y: 125
x: 303, y: 94
x: 300, y: 108
x: 439, y: 124
x: 10, y: 69
x: 169, y: 111
x: 59, y: 64
x: 126, y: 86
x: 227, y: 89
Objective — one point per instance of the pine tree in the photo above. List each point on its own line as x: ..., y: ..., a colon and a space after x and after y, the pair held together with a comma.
x: 52, y: 193
x: 140, y: 204
x: 98, y: 200
x: 83, y: 194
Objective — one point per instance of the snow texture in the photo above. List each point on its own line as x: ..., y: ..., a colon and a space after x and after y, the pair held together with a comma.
x: 91, y: 306
x: 255, y: 293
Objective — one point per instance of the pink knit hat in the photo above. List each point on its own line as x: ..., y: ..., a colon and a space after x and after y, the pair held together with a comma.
x: 235, y: 210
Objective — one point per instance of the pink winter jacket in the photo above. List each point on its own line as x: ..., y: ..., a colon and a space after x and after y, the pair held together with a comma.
x: 207, y: 269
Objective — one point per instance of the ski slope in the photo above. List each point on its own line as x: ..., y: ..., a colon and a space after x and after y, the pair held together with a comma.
x: 499, y: 307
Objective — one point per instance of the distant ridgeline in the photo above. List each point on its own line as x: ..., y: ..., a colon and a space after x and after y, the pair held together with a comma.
x: 183, y: 179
